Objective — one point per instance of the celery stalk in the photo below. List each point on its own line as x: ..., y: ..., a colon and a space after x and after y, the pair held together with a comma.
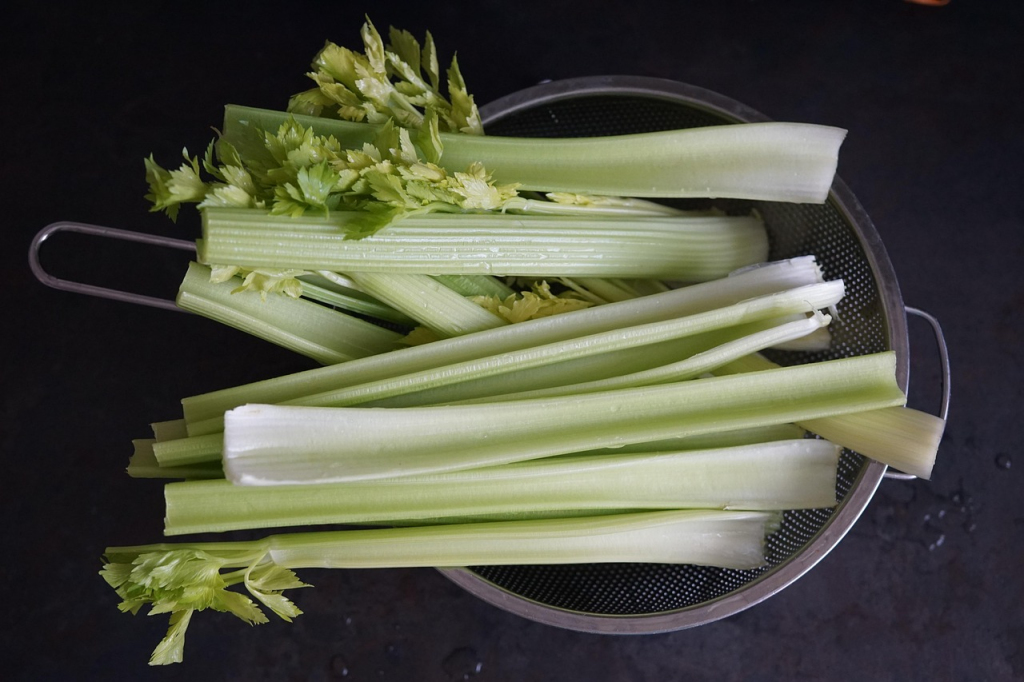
x: 183, y: 578
x: 687, y: 368
x: 426, y: 300
x: 680, y: 248
x: 901, y: 437
x: 766, y: 161
x: 144, y: 464
x: 334, y: 290
x: 793, y: 474
x: 273, y: 444
x: 328, y: 336
x: 204, y: 412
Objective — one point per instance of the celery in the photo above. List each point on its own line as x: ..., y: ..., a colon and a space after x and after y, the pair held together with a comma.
x: 181, y: 579
x: 335, y: 290
x: 428, y: 301
x: 681, y: 248
x: 800, y: 300
x: 203, y: 412
x: 794, y: 474
x: 554, y: 369
x: 790, y: 162
x: 144, y: 464
x: 313, y: 330
x: 901, y: 437
x: 476, y: 285
x: 679, y: 370
x: 273, y: 444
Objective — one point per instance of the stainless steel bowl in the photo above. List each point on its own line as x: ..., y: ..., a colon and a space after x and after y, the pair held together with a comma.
x: 645, y: 598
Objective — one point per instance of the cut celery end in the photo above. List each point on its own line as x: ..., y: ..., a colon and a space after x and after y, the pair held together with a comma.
x: 169, y: 429
x: 328, y: 336
x: 904, y: 438
x: 143, y: 464
x: 204, y: 413
x: 268, y: 444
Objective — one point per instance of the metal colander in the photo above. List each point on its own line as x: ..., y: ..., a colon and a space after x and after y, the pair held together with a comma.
x: 644, y: 598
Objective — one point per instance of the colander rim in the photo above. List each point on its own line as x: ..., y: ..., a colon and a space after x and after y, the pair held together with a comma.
x: 862, y: 489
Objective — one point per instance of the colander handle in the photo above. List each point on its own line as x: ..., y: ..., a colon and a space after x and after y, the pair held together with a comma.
x: 110, y: 233
x: 940, y: 340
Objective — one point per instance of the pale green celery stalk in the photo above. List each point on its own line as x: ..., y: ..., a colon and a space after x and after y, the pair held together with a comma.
x: 445, y: 312
x: 772, y: 161
x: 646, y: 287
x: 805, y: 299
x: 680, y: 248
x: 901, y: 437
x: 679, y: 370
x: 624, y: 208
x: 488, y: 376
x: 595, y: 367
x: 323, y: 288
x: 188, y: 450
x: 143, y: 464
x: 204, y: 413
x: 794, y: 474
x: 476, y: 285
x: 183, y: 578
x: 325, y: 335
x: 170, y: 429
x: 275, y: 444
x: 609, y: 289
x: 518, y: 375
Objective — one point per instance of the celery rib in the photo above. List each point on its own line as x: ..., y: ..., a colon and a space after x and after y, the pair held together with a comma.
x: 764, y: 161
x: 328, y: 336
x: 792, y: 474
x: 271, y: 444
x: 204, y: 412
x: 675, y: 248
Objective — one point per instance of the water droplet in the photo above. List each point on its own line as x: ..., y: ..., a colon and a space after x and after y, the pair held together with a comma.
x: 339, y: 666
x: 462, y: 664
x: 1003, y: 461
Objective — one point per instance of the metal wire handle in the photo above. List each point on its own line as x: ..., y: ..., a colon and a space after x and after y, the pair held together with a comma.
x: 111, y: 233
x: 940, y: 340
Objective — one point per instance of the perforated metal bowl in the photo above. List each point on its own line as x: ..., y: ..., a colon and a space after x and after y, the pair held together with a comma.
x: 645, y: 598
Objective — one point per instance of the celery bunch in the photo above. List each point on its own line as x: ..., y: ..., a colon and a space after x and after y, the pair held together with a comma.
x: 564, y: 403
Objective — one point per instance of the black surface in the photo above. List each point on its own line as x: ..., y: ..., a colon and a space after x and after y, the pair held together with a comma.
x: 927, y: 585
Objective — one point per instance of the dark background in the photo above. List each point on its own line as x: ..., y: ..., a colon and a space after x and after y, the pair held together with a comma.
x: 927, y: 585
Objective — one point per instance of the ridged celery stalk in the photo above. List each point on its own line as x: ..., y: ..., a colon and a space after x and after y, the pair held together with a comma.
x: 792, y: 474
x: 791, y: 162
x: 204, y: 412
x: 325, y: 335
x: 273, y: 444
x: 183, y: 578
x: 806, y: 299
x: 679, y: 248
x: 901, y: 437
